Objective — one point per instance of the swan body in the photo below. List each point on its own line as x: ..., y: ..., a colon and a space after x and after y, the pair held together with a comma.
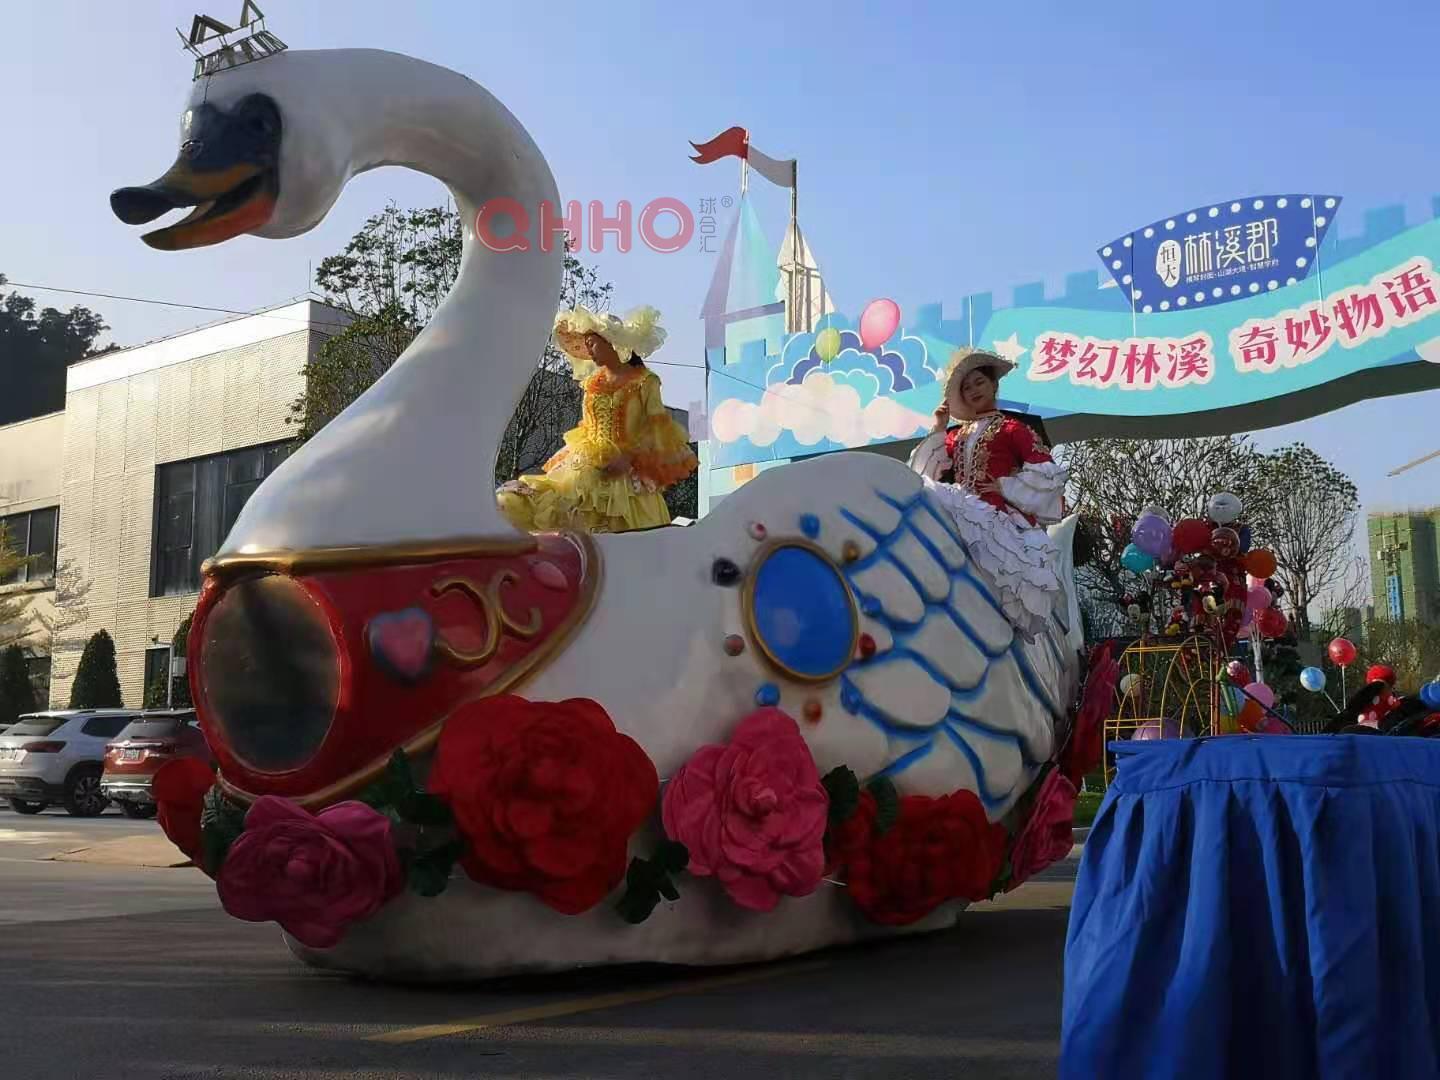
x: 943, y: 695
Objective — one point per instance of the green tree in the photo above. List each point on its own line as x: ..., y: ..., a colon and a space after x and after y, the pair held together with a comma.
x: 180, y: 695
x: 1410, y: 646
x: 1310, y: 527
x: 17, y: 694
x: 389, y: 280
x: 14, y: 616
x: 36, y: 345
x: 97, y: 684
x: 1113, y: 480
x: 683, y: 497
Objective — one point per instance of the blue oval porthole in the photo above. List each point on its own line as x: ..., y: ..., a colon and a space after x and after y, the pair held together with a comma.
x: 800, y: 612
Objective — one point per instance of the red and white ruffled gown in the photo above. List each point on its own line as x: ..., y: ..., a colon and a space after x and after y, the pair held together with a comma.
x: 1000, y: 486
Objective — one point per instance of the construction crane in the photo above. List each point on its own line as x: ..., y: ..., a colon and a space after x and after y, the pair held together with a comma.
x: 1411, y: 465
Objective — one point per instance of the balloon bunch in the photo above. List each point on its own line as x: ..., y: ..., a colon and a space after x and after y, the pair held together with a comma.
x: 1209, y: 566
x: 1250, y: 704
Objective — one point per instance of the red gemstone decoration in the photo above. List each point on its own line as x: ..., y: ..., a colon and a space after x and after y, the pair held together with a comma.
x: 734, y: 645
x: 867, y: 646
x: 812, y: 711
x: 758, y: 531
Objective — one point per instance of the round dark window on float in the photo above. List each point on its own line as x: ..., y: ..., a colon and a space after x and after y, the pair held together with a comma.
x: 800, y: 612
x: 270, y: 672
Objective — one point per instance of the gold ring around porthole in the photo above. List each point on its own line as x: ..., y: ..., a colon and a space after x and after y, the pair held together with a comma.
x: 747, y: 606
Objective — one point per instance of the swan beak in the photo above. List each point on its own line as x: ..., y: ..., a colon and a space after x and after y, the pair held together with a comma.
x: 227, y: 170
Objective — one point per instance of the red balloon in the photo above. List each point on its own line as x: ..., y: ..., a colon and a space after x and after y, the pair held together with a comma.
x: 1251, y: 713
x: 1272, y: 622
x: 1342, y: 651
x: 1191, y: 536
x: 1381, y: 673
x: 1238, y: 672
x: 1225, y: 542
x: 1261, y: 563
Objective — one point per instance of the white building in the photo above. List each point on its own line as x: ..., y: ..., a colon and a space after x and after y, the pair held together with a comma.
x: 136, y: 483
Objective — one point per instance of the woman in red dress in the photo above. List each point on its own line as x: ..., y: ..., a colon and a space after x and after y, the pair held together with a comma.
x: 999, y: 484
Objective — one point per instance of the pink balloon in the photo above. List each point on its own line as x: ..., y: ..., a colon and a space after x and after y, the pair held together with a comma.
x: 878, y: 322
x: 1258, y: 598
x: 1261, y: 693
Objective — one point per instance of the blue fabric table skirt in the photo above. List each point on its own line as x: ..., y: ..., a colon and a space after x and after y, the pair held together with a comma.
x: 1259, y: 906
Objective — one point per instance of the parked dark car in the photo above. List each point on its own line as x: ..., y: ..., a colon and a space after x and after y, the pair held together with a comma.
x: 136, y: 754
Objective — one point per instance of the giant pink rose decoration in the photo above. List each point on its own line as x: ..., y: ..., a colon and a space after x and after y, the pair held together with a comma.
x: 314, y: 874
x: 1049, y: 834
x: 753, y: 813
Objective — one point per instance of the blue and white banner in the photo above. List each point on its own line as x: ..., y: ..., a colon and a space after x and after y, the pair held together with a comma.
x: 1215, y: 254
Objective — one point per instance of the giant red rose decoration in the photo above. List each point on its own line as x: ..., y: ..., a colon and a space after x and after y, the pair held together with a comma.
x: 937, y: 850
x: 314, y: 874
x: 179, y: 788
x: 752, y: 814
x: 1049, y: 832
x: 547, y: 794
x: 1087, y: 740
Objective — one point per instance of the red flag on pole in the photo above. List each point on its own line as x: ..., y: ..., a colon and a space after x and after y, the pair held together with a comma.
x: 735, y: 142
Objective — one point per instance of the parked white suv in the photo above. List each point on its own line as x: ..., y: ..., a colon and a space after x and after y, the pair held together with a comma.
x: 58, y: 757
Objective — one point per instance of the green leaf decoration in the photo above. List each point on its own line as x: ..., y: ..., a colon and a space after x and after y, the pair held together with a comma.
x: 1002, y: 879
x: 399, y: 774
x: 843, y: 787
x: 221, y: 821
x: 642, y: 892
x: 422, y: 808
x: 429, y: 871
x: 647, y: 880
x: 671, y: 856
x: 887, y: 803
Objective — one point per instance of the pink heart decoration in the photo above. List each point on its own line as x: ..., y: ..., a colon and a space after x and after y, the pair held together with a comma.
x: 402, y: 643
x: 549, y: 575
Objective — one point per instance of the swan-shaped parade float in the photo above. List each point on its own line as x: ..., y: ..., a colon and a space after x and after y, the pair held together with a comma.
x: 809, y: 689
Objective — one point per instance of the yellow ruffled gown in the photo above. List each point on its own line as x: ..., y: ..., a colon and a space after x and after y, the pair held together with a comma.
x: 622, y: 415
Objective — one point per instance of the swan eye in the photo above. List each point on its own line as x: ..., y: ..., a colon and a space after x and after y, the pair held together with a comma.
x: 270, y: 669
x: 800, y: 612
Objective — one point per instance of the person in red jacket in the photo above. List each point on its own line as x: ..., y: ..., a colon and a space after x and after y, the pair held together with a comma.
x: 999, y: 484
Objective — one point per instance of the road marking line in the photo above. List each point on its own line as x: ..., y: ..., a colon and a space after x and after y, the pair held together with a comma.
x: 588, y: 1004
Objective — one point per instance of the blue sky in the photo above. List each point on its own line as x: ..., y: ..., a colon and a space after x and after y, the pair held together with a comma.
x: 944, y: 148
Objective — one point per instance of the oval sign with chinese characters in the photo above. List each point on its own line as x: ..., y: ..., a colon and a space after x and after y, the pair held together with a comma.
x: 1221, y: 252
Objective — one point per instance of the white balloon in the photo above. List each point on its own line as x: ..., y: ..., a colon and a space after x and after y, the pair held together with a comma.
x: 1224, y: 508
x: 1128, y: 683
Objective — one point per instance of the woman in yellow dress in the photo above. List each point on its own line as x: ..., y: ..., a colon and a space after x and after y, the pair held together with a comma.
x: 612, y: 473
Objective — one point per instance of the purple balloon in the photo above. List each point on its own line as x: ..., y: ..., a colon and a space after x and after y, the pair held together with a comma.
x: 1156, y: 729
x: 1152, y: 535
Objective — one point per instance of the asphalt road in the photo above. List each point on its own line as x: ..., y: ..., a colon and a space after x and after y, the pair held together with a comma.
x: 115, y: 972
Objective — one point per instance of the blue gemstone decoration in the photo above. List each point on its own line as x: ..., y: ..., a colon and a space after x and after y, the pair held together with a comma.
x: 810, y: 525
x: 871, y: 606
x: 804, y: 617
x: 768, y: 695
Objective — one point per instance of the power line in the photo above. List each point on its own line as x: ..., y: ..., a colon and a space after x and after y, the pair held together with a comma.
x: 318, y: 323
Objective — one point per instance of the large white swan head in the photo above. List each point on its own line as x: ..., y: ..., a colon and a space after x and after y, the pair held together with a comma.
x: 267, y: 147
x: 264, y: 149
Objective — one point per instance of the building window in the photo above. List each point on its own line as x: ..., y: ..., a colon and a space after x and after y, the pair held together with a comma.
x: 35, y: 536
x: 39, y: 671
x: 196, y: 504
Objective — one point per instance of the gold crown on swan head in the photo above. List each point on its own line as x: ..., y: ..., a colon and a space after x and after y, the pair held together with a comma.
x: 232, y: 51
